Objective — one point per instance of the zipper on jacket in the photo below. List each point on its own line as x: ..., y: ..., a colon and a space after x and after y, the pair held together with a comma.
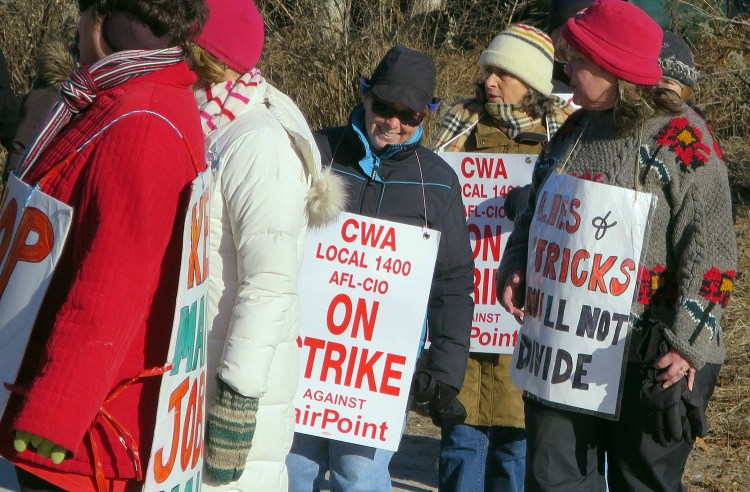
x: 362, y: 194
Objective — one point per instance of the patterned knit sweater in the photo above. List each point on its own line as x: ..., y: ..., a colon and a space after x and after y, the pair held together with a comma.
x: 689, y: 266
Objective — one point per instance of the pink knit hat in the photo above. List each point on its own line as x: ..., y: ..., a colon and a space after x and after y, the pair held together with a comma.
x: 620, y: 38
x: 234, y: 33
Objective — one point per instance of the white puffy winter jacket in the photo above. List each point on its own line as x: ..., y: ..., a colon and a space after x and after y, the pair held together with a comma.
x: 260, y: 208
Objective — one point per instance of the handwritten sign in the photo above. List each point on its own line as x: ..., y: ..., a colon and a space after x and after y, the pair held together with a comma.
x: 176, y: 457
x: 585, y: 245
x: 485, y: 181
x: 364, y: 287
x: 33, y: 228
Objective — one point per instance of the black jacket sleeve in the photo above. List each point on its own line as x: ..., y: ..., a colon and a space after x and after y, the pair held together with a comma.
x: 451, y: 307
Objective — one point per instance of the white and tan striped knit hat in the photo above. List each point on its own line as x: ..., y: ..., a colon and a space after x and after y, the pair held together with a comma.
x: 525, y: 52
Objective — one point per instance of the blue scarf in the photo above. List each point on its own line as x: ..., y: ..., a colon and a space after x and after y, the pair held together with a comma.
x: 370, y: 163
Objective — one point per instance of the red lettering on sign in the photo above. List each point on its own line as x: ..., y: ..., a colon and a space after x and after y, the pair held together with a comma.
x: 599, y: 275
x: 494, y: 339
x: 390, y: 373
x: 344, y: 365
x: 355, y: 318
x: 599, y: 269
x: 483, y: 167
x: 485, y: 288
x: 616, y: 287
x: 487, y: 242
x: 373, y: 235
x: 330, y: 418
x: 33, y: 223
x: 577, y: 278
x: 562, y: 212
x: 345, y: 256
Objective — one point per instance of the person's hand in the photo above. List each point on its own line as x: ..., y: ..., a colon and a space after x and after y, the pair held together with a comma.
x: 230, y: 426
x: 512, y: 294
x: 440, y: 400
x: 673, y: 366
x: 43, y: 447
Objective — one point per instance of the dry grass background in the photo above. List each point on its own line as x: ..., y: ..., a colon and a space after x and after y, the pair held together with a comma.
x: 319, y: 66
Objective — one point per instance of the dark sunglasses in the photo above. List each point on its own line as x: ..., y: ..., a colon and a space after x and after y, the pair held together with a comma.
x: 407, y: 116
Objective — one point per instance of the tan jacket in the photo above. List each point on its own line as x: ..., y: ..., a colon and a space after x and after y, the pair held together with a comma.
x: 488, y: 138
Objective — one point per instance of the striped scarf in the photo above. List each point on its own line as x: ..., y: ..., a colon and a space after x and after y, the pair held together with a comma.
x: 510, y: 118
x: 458, y: 122
x: 80, y: 91
x: 221, y: 103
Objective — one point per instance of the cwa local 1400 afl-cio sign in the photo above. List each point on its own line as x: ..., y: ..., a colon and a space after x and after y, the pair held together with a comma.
x: 485, y: 181
x: 364, y: 287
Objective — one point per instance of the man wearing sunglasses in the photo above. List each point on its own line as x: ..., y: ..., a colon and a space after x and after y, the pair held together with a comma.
x: 390, y: 176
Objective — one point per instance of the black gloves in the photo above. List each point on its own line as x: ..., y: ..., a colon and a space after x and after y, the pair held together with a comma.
x: 697, y: 426
x: 673, y: 414
x: 662, y: 409
x: 516, y: 201
x: 439, y: 399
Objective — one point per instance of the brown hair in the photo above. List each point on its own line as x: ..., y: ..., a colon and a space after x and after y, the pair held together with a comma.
x: 181, y: 20
x: 534, y: 103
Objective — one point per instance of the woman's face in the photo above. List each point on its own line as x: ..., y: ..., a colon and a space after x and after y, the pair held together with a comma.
x: 503, y: 88
x: 385, y: 124
x: 89, y: 37
x: 593, y: 87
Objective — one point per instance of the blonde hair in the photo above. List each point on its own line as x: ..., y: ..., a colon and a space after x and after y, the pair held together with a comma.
x: 210, y: 70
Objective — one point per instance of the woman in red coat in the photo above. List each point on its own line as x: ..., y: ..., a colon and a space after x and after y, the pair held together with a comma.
x: 108, y: 312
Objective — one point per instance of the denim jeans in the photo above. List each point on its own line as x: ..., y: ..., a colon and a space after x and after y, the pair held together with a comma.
x: 354, y: 468
x: 482, y: 458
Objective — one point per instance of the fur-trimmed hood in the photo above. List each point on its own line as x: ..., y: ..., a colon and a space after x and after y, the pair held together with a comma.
x: 54, y: 64
x: 327, y: 196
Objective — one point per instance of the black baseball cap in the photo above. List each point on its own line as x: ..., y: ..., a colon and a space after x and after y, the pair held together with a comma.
x: 406, y: 77
x: 562, y: 10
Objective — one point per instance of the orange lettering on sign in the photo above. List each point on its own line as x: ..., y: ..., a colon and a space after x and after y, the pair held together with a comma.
x: 187, y: 431
x: 198, y: 264
x: 161, y: 470
x: 34, y: 221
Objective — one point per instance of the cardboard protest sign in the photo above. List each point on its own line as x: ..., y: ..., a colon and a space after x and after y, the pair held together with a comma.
x: 364, y: 287
x: 176, y: 458
x: 585, y: 245
x: 485, y: 181
x: 33, y: 228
